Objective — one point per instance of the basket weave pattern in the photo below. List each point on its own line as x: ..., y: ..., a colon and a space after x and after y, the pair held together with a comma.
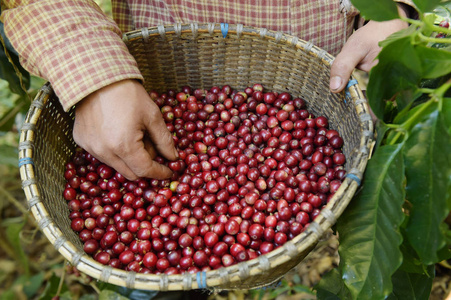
x: 201, y: 56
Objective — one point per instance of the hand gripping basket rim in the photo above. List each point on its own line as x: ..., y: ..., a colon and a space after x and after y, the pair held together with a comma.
x: 226, y: 277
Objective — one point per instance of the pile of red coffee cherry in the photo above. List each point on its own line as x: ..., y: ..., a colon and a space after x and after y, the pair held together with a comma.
x: 255, y: 168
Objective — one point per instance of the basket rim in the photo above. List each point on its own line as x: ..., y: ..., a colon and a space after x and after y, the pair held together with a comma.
x: 226, y: 30
x: 213, y: 279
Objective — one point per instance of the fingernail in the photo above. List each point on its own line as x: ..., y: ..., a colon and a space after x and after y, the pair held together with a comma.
x: 335, y: 83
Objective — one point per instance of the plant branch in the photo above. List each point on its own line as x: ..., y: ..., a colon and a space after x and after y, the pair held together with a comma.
x: 95, y: 287
x: 60, y: 285
x: 441, y: 90
x: 434, y: 40
x: 404, y: 128
x: 407, y: 125
x: 394, y: 140
x: 393, y: 126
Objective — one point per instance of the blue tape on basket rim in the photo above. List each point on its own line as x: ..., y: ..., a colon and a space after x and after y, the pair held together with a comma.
x: 354, y: 177
x: 25, y: 161
x: 224, y: 29
x: 350, y: 83
x: 201, y: 278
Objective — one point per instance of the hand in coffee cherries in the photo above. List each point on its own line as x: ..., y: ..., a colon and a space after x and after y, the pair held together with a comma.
x: 121, y: 126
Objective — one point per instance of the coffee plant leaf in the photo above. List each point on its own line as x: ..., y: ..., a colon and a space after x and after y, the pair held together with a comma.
x: 381, y: 131
x: 411, y: 262
x: 111, y: 295
x: 381, y: 10
x: 7, y: 70
x: 446, y: 111
x: 30, y: 285
x: 331, y: 287
x: 369, y: 227
x: 13, y: 234
x: 88, y: 297
x: 435, y: 62
x: 9, y: 155
x: 398, y: 69
x: 412, y: 285
x: 404, y: 101
x: 9, y: 295
x: 51, y: 287
x: 127, y: 293
x: 426, y: 5
x: 8, y: 117
x: 428, y: 170
x: 279, y: 291
x: 417, y: 113
x: 407, y: 32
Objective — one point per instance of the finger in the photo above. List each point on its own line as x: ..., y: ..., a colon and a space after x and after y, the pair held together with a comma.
x: 342, y: 67
x: 148, y: 145
x: 160, y: 136
x: 115, y: 162
x: 121, y: 167
x: 140, y: 162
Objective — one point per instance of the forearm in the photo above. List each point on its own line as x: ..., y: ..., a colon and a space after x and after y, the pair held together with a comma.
x: 71, y: 43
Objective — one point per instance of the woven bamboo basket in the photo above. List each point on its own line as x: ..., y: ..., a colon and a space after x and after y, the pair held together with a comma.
x: 202, y: 56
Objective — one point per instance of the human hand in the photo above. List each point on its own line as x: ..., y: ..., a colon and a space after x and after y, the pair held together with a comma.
x: 122, y: 127
x: 361, y: 50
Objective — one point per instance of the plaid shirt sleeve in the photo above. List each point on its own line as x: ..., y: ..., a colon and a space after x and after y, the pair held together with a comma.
x: 71, y: 43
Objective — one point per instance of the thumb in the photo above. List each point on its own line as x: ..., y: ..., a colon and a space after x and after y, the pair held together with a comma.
x: 345, y: 62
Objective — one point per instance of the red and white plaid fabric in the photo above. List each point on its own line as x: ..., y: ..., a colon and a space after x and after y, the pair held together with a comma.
x: 79, y: 49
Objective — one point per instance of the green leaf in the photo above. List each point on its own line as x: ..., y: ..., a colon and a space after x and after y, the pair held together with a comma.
x: 427, y: 30
x: 412, y: 286
x: 8, y: 113
x: 398, y: 69
x: 435, y: 62
x: 132, y: 294
x: 9, y: 295
x: 29, y: 285
x: 33, y: 284
x: 369, y: 227
x: 51, y: 288
x: 426, y: 5
x: 411, y: 262
x: 446, y: 111
x: 381, y: 130
x: 299, y: 288
x: 7, y: 119
x: 403, y: 33
x: 88, y: 297
x: 7, y: 71
x: 135, y: 294
x: 404, y: 101
x: 332, y: 287
x: 110, y: 295
x: 9, y: 155
x: 278, y: 291
x: 13, y: 234
x: 427, y: 159
x: 381, y: 10
x: 66, y: 296
x: 410, y: 118
x: 443, y: 11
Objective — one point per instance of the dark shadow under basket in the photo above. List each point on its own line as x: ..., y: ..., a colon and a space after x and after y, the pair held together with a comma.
x: 201, y: 56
